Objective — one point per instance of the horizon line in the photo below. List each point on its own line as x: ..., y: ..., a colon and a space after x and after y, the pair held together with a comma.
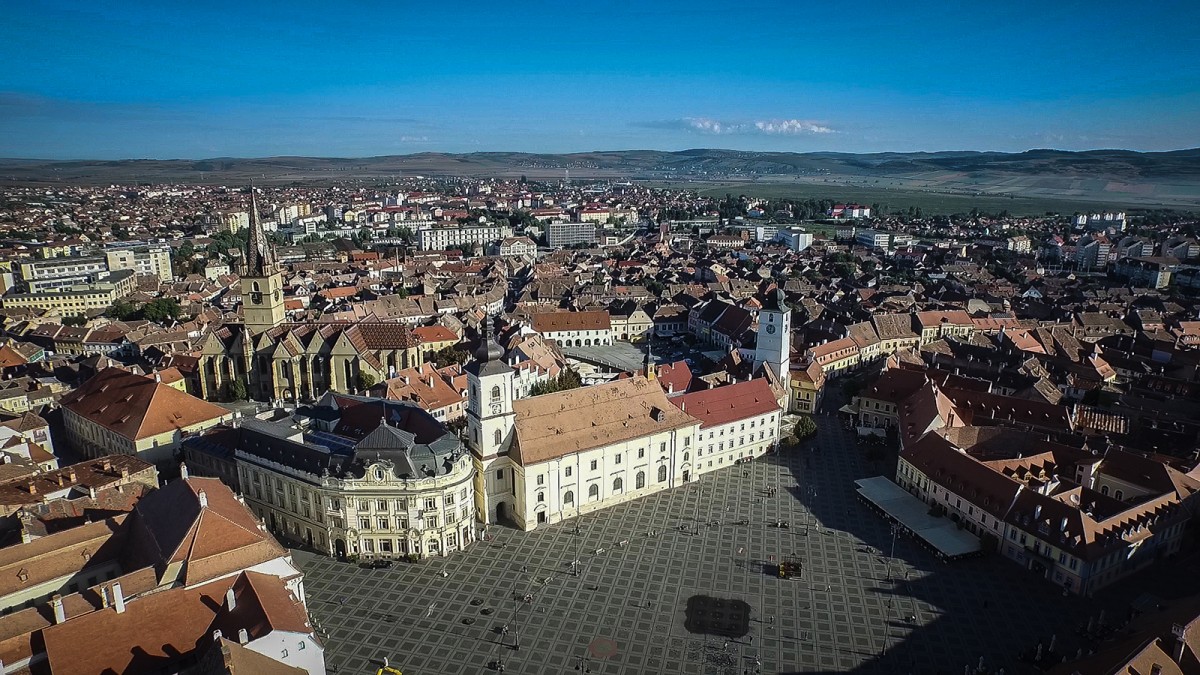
x: 586, y: 152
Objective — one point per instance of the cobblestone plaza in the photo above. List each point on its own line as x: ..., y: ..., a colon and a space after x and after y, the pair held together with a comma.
x: 515, y: 599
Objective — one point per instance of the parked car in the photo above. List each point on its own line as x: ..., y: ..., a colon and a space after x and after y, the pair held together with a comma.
x: 377, y: 564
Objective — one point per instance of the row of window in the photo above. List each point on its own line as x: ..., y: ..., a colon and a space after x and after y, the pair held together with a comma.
x: 402, y: 504
x: 401, y: 523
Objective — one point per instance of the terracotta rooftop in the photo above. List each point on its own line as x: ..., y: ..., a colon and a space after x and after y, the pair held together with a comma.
x: 212, y: 536
x: 137, y: 407
x: 97, y: 473
x: 25, y: 566
x: 554, y: 425
x: 160, y: 630
x: 11, y: 358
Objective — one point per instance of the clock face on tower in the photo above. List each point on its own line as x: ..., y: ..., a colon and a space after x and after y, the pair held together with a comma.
x: 770, y: 330
x: 495, y: 408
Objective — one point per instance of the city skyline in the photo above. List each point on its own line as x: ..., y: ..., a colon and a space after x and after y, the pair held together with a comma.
x: 263, y: 80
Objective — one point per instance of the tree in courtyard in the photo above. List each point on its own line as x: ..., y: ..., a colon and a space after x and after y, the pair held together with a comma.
x: 449, y: 356
x: 120, y: 310
x: 237, y: 391
x: 365, y: 380
x: 161, y: 309
x: 804, y: 428
x: 567, y: 379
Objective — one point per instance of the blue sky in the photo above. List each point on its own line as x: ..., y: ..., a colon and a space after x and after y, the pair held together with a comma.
x: 205, y: 79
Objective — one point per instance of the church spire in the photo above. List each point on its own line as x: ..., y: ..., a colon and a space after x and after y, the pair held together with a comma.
x: 260, y: 256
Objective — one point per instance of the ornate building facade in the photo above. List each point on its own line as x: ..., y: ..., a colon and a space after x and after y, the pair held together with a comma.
x: 354, y: 476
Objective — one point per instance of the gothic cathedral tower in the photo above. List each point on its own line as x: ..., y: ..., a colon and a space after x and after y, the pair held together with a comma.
x: 262, y: 282
x: 773, y: 344
x: 490, y: 421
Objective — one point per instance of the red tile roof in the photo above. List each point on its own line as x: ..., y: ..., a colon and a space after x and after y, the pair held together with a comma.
x: 438, y: 333
x: 137, y: 407
x: 714, y: 407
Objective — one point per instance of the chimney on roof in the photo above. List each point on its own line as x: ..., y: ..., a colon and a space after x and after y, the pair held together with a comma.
x: 217, y: 635
x: 32, y: 488
x: 107, y: 465
x: 157, y: 376
x: 60, y: 614
x: 230, y: 600
x: 203, y: 499
x: 71, y: 476
x: 183, y: 472
x: 118, y: 598
x: 243, y: 636
x: 124, y: 473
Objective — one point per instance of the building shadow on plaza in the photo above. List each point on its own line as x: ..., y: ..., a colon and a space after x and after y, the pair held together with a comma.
x: 964, y: 609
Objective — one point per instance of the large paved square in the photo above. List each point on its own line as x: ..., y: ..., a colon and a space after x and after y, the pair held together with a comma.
x: 856, y: 609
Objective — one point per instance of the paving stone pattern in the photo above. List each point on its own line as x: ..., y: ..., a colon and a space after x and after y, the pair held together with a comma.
x: 624, y: 613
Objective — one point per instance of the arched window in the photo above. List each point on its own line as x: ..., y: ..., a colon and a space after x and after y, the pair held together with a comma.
x: 474, y: 393
x: 569, y: 497
x: 254, y: 287
x: 496, y: 393
x: 497, y: 437
x: 1104, y: 490
x: 662, y: 473
x: 593, y: 491
x: 617, y: 485
x: 1119, y: 495
x: 640, y: 481
x: 686, y: 456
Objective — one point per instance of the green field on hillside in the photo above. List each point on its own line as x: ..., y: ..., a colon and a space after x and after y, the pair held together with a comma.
x: 930, y: 203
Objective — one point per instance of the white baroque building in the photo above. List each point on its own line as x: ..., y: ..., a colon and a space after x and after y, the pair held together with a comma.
x: 356, y: 476
x: 543, y: 459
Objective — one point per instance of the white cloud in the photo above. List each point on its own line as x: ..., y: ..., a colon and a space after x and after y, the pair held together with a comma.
x: 716, y: 127
x: 711, y: 126
x: 791, y: 127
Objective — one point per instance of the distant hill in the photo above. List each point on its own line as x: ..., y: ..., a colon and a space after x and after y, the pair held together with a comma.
x: 1149, y: 178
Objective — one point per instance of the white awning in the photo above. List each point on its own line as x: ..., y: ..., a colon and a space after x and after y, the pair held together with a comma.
x: 913, y: 514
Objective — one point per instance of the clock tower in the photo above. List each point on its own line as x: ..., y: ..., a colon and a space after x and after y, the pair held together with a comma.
x: 490, y: 421
x: 773, y: 344
x: 262, y: 282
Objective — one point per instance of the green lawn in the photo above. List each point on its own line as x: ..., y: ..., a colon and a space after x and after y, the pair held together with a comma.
x: 931, y: 203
